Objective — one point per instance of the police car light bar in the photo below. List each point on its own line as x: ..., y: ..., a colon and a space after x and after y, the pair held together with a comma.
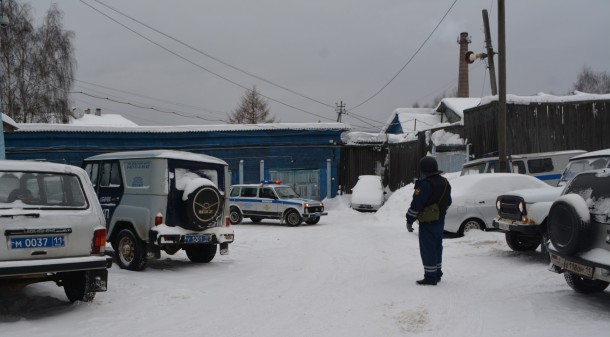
x: 277, y: 182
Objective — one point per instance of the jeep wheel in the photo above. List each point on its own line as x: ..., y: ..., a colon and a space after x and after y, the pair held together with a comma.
x: 201, y: 253
x: 313, y: 221
x: 235, y: 216
x: 293, y: 218
x: 520, y: 243
x: 203, y: 207
x: 568, y: 232
x: 584, y: 285
x: 77, y: 286
x: 469, y: 225
x: 129, y: 251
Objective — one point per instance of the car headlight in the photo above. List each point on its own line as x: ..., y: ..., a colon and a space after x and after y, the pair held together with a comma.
x: 498, y: 204
x: 521, y: 207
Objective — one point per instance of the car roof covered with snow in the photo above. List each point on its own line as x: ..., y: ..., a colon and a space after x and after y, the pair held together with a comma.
x: 162, y: 154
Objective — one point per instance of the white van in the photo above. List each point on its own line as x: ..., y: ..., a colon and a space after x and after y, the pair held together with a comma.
x: 546, y: 166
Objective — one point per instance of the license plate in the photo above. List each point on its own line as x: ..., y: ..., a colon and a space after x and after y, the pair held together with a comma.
x: 578, y: 269
x: 503, y: 225
x: 38, y: 242
x: 197, y: 238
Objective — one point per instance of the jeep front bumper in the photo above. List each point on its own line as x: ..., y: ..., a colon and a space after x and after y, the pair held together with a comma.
x: 313, y: 215
x: 508, y: 225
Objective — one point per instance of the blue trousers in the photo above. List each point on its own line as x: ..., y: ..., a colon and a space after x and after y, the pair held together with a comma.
x: 431, y: 248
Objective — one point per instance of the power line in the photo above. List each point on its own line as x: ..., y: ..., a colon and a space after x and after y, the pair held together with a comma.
x: 199, y: 66
x: 144, y: 107
x: 212, y: 57
x: 153, y: 98
x: 409, y: 61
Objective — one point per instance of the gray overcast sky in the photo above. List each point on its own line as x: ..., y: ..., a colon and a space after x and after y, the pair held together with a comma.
x: 326, y: 50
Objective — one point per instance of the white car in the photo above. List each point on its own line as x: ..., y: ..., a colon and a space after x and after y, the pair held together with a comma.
x: 474, y: 198
x: 53, y: 229
x: 368, y: 194
x: 272, y: 200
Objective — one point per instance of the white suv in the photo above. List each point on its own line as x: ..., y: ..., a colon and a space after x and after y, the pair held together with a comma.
x: 53, y: 229
x: 272, y: 200
x: 162, y: 200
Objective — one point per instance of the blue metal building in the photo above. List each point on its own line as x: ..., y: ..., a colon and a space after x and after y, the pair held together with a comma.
x: 304, y: 155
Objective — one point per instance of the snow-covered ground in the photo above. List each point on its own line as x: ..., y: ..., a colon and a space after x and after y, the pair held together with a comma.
x: 353, y: 274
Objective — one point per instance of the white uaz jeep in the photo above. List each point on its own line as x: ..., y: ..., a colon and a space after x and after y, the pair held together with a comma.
x: 162, y: 200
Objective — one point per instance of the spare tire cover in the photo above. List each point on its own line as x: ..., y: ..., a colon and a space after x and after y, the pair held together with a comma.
x: 203, y: 207
x: 568, y: 232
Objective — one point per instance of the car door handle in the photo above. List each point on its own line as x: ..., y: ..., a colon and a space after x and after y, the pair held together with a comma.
x: 482, y: 202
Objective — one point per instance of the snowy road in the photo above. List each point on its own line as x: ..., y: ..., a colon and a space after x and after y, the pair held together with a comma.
x: 352, y: 274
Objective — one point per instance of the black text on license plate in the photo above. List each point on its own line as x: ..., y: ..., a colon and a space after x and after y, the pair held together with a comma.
x: 38, y: 242
x: 196, y: 239
x: 578, y: 269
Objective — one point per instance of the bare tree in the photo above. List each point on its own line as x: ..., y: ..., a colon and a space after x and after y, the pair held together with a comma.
x: 253, y: 109
x: 36, y: 66
x: 592, y: 82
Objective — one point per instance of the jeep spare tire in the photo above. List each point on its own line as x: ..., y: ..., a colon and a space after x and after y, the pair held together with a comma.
x: 569, y: 226
x: 203, y: 207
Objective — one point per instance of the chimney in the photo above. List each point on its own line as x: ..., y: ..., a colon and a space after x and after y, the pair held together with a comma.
x: 98, y: 112
x: 463, y: 90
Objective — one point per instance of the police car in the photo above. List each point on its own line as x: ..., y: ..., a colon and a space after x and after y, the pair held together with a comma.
x: 272, y: 200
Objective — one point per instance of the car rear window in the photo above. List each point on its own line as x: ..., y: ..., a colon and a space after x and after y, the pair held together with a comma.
x: 39, y: 190
x: 594, y: 188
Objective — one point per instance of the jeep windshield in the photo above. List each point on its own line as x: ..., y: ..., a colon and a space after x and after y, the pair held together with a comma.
x: 40, y: 190
x: 582, y: 165
x: 286, y: 192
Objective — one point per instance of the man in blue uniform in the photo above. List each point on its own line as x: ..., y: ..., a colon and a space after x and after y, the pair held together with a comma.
x: 431, y: 198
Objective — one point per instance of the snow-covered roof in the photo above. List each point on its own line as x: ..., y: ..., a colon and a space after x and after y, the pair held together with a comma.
x: 412, y: 120
x: 359, y: 138
x: 7, y: 120
x: 458, y: 105
x: 546, y: 98
x: 103, y: 120
x: 41, y: 127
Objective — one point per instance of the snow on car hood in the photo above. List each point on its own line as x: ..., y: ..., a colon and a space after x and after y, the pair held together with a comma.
x: 540, y: 194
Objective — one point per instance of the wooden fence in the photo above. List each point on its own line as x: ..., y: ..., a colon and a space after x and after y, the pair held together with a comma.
x: 540, y: 127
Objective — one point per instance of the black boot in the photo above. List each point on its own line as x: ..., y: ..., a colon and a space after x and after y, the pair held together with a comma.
x: 426, y: 282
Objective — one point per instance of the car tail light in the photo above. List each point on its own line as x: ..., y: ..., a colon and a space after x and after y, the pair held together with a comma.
x: 158, y: 219
x: 99, y: 242
x: 227, y: 221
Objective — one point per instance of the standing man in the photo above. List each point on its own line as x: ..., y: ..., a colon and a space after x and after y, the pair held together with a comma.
x: 431, y: 198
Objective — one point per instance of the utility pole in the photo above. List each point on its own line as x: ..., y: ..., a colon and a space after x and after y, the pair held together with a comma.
x: 502, y: 87
x: 490, y: 55
x: 340, y: 109
x: 3, y: 24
